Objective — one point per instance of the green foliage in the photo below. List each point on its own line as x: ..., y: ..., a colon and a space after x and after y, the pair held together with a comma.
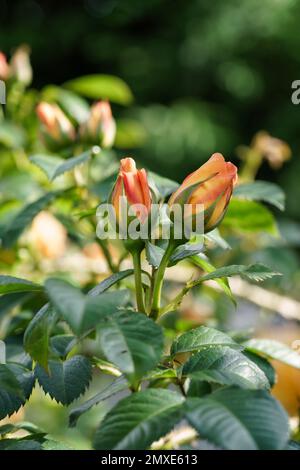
x: 139, y: 420
x: 274, y: 350
x: 54, y: 166
x: 67, y: 380
x: 262, y: 191
x: 102, y: 86
x: 247, y: 420
x: 131, y: 341
x: 249, y: 216
x: 200, y: 338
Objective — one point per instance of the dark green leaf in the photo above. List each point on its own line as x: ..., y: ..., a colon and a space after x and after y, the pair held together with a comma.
x: 185, y: 251
x: 66, y: 380
x: 9, y: 382
x: 202, y: 337
x: 264, y: 365
x: 254, y: 272
x: 10, y: 402
x: 261, y: 191
x: 238, y: 419
x: 138, y: 420
x: 110, y: 281
x: 226, y: 366
x: 133, y: 342
x: 36, y: 336
x: 112, y: 389
x: 80, y: 311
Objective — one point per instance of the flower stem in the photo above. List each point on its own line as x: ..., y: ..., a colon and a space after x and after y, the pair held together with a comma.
x: 159, y: 279
x: 136, y: 256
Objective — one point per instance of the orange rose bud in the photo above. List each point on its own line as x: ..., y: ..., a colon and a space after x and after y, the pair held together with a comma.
x: 100, y: 128
x: 210, y: 186
x: 4, y: 67
x: 57, y: 128
x: 20, y: 65
x: 133, y: 185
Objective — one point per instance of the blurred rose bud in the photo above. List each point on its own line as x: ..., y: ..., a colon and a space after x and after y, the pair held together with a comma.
x: 207, y: 190
x: 20, y: 65
x: 100, y: 128
x: 56, y: 127
x: 133, y: 185
x: 274, y: 150
x: 4, y: 67
x: 48, y: 235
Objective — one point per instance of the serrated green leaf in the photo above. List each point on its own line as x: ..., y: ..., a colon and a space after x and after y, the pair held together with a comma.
x: 37, y: 333
x: 133, y: 342
x: 249, y: 216
x: 10, y: 402
x: 254, y: 272
x: 138, y: 420
x: 274, y: 350
x: 215, y: 237
x: 261, y: 191
x: 20, y: 444
x: 83, y: 312
x: 21, y: 221
x: 67, y: 380
x: 154, y: 254
x: 185, y: 251
x: 102, y: 86
x: 10, y: 284
x: 204, y: 264
x: 200, y: 338
x: 110, y: 281
x: 238, y: 419
x: 112, y: 389
x: 9, y: 382
x: 225, y: 366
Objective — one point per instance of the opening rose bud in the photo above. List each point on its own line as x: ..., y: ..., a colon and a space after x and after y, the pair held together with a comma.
x: 207, y: 191
x: 100, y: 128
x: 56, y: 125
x: 133, y: 185
x: 4, y: 67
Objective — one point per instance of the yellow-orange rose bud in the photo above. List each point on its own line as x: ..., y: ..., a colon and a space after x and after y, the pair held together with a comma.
x: 57, y: 128
x: 100, y: 128
x: 4, y: 67
x: 211, y: 187
x: 133, y: 185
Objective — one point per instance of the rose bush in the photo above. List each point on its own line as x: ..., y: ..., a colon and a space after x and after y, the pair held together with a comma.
x: 64, y: 331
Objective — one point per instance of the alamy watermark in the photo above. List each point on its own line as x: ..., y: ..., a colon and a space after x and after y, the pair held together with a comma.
x: 295, y: 97
x: 2, y: 352
x: 134, y: 222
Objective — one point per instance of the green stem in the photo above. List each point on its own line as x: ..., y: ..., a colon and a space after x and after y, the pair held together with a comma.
x: 159, y: 279
x: 136, y: 256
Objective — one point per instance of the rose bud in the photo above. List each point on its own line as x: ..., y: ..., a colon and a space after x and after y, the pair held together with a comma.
x: 20, y: 65
x: 100, y: 128
x: 4, y: 67
x: 274, y: 150
x: 133, y: 185
x: 210, y: 187
x: 56, y: 127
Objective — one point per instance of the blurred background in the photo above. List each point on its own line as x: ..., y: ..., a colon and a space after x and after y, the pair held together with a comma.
x: 205, y: 77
